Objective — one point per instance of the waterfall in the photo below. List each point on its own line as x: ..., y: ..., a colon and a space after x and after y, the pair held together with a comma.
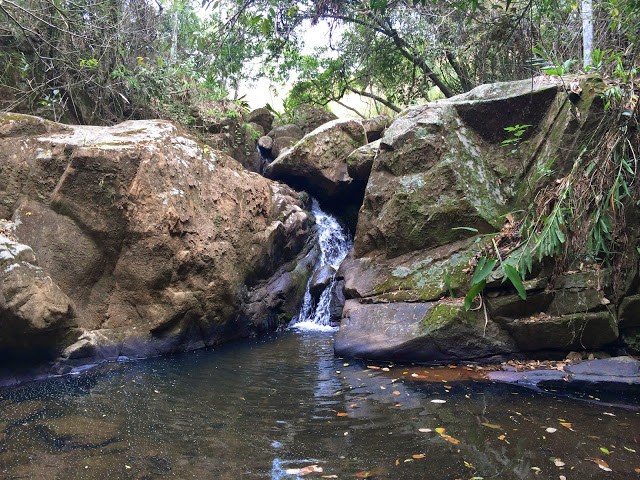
x: 334, y: 245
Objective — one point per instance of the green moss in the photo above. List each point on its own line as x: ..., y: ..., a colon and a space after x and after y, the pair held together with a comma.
x: 424, y: 279
x: 443, y: 313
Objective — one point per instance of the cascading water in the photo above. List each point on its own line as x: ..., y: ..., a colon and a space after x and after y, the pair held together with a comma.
x: 334, y: 245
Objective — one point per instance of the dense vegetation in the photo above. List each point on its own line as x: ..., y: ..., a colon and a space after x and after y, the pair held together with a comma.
x: 101, y: 61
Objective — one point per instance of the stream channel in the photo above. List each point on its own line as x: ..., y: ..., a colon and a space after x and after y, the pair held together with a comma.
x: 283, y: 405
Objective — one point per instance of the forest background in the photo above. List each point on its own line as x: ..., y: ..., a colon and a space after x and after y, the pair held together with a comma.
x: 104, y: 61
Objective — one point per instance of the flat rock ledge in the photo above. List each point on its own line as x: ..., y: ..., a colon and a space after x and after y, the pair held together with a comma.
x: 613, y: 375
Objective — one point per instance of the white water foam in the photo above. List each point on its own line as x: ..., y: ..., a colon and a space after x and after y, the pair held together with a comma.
x: 334, y: 245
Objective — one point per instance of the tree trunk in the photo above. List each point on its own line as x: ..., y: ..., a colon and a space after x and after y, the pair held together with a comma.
x: 386, y: 103
x: 587, y: 32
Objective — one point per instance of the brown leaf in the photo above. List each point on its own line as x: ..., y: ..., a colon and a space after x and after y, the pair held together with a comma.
x: 419, y: 455
x: 396, y: 392
x: 342, y: 414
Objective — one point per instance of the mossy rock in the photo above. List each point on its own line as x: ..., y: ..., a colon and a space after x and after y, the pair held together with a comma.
x: 400, y: 331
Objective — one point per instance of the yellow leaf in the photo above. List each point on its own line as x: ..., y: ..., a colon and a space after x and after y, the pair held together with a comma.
x: 567, y: 425
x: 440, y: 430
x: 492, y: 425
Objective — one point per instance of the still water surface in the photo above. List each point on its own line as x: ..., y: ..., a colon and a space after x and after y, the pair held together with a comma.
x: 260, y: 409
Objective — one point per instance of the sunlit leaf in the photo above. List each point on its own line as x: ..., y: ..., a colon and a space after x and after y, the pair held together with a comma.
x: 473, y: 293
x: 567, y: 425
x: 629, y: 449
x: 418, y: 455
x: 604, y: 450
x: 342, y: 414
x: 396, y: 392
x: 551, y: 430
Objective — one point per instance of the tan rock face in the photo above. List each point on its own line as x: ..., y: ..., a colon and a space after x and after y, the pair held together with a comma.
x: 35, y: 314
x: 144, y: 228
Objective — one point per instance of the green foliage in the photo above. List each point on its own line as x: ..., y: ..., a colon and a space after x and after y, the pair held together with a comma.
x: 515, y: 141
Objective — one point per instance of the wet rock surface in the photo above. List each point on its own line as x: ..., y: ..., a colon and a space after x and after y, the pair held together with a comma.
x: 616, y: 374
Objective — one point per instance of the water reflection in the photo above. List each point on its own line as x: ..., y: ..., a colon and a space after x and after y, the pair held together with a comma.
x: 258, y: 410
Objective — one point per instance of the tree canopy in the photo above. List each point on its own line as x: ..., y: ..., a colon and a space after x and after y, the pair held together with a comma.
x: 101, y: 61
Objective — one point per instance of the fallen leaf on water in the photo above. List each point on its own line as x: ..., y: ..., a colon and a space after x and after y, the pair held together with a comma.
x: 557, y: 462
x: 448, y: 438
x: 604, y: 450
x: 629, y: 449
x: 425, y: 430
x: 385, y: 369
x: 342, y: 414
x: 363, y: 474
x: 610, y: 414
x: 396, y: 392
x: 536, y: 469
x: 304, y: 470
x: 437, y: 400
x: 373, y: 367
x: 310, y: 469
x: 601, y: 463
x: 468, y: 465
x: 637, y: 470
x: 407, y: 460
x: 419, y: 455
x: 551, y: 430
x: 329, y: 476
x: 397, y: 462
x: 382, y: 387
x: 492, y: 425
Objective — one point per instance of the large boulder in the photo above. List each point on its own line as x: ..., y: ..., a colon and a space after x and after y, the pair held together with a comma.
x: 157, y: 240
x: 317, y: 163
x: 36, y: 316
x: 375, y: 126
x: 307, y: 117
x: 442, y: 166
x: 263, y: 117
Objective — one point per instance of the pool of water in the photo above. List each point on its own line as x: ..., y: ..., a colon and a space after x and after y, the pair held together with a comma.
x: 265, y: 409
